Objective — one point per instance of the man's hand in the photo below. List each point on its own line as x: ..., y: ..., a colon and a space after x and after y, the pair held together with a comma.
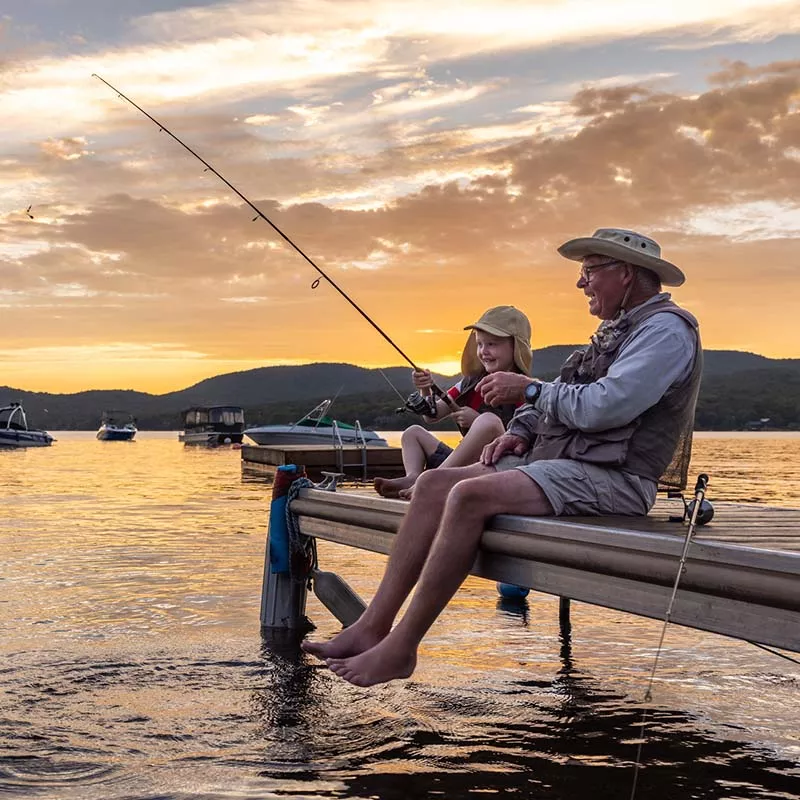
x: 503, y: 387
x: 503, y: 445
x: 465, y: 416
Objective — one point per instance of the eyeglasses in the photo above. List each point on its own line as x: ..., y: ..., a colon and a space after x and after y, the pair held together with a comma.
x: 586, y: 273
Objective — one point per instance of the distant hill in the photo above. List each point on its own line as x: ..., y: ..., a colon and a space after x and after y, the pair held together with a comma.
x: 738, y: 387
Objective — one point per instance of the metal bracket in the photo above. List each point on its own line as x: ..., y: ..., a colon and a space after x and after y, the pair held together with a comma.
x: 329, y: 481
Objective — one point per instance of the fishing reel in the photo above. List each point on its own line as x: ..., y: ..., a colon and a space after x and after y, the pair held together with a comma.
x: 424, y: 405
x: 704, y: 515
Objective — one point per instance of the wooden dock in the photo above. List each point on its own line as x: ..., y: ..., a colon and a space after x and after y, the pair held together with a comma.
x: 353, y: 461
x: 742, y: 576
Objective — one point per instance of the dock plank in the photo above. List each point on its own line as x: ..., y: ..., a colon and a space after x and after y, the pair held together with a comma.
x: 380, y: 461
x: 740, y: 580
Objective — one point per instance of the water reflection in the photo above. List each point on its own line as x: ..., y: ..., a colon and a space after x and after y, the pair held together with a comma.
x: 132, y: 665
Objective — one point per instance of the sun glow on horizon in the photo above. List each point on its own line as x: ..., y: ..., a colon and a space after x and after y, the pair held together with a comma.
x: 430, y: 159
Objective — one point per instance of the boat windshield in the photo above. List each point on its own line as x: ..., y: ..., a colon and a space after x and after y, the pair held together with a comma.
x: 117, y: 418
x: 323, y: 422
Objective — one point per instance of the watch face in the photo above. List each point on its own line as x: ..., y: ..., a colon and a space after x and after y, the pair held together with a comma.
x: 532, y: 392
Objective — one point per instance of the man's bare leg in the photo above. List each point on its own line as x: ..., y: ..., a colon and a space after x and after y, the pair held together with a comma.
x: 469, y: 505
x: 486, y: 428
x: 417, y: 445
x: 409, y: 551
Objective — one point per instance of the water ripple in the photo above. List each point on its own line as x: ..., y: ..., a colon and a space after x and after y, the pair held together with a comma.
x: 133, y: 666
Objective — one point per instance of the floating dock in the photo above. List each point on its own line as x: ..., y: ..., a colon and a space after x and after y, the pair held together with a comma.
x: 352, y: 460
x: 742, y: 576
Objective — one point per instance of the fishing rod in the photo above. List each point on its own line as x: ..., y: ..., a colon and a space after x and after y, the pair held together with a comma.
x: 437, y: 391
x: 696, y: 510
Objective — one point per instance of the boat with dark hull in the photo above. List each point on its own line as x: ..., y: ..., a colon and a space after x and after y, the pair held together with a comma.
x: 117, y: 426
x: 14, y: 430
x: 212, y: 425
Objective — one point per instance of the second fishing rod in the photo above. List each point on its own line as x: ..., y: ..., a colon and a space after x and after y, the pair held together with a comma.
x: 437, y: 391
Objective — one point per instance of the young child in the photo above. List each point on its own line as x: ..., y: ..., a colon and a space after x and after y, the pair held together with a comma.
x: 500, y: 341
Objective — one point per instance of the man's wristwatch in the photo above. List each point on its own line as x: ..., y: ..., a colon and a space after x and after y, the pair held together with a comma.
x: 532, y: 392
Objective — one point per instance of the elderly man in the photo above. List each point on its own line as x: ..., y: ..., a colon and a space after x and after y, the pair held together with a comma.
x: 595, y: 441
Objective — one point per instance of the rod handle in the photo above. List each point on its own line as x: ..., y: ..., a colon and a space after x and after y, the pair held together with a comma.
x: 442, y: 395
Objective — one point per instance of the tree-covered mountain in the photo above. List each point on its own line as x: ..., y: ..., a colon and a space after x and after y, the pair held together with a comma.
x: 738, y: 388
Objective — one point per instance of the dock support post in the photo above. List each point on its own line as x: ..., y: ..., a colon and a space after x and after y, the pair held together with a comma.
x: 564, y: 622
x: 283, y: 598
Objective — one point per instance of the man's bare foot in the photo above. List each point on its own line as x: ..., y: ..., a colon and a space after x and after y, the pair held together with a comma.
x: 391, y: 487
x: 386, y: 661
x: 350, y: 642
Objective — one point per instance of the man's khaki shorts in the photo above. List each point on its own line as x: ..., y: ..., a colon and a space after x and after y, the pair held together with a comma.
x: 583, y: 489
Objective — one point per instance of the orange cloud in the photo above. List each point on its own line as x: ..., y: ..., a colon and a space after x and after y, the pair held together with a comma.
x: 446, y: 223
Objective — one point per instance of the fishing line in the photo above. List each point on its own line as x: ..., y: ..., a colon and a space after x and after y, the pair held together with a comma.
x: 699, y: 494
x: 259, y: 214
x: 774, y: 652
x: 386, y: 378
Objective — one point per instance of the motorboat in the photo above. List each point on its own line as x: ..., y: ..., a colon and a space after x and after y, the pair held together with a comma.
x: 315, y: 428
x: 14, y: 430
x: 212, y: 425
x: 116, y: 426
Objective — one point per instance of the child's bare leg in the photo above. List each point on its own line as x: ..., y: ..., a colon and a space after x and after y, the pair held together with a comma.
x: 417, y: 445
x: 486, y: 428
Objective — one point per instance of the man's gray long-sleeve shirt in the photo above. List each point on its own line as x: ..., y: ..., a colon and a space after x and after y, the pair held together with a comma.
x: 656, y: 356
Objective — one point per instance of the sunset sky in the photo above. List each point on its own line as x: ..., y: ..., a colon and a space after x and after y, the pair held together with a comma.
x: 428, y: 156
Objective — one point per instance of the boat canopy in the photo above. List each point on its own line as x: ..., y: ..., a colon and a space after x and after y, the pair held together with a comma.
x: 213, y: 415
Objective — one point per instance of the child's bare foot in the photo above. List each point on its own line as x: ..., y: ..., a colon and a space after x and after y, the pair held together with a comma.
x: 406, y: 494
x: 350, y: 642
x: 391, y: 487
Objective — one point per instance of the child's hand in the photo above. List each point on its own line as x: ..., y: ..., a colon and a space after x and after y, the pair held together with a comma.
x: 465, y: 416
x: 422, y: 379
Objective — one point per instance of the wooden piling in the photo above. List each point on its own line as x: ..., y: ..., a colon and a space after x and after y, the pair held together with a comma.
x: 283, y: 598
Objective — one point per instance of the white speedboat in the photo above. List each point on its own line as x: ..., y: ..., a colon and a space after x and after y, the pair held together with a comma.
x: 116, y: 426
x: 315, y: 428
x: 14, y: 430
x: 212, y: 425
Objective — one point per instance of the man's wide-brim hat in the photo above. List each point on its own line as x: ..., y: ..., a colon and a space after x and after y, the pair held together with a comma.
x: 499, y: 321
x: 629, y: 246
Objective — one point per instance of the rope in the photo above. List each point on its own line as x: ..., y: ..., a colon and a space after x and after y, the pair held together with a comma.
x: 302, y: 552
x: 302, y: 548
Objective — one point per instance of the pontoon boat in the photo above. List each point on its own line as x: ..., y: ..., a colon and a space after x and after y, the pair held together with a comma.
x: 212, y: 425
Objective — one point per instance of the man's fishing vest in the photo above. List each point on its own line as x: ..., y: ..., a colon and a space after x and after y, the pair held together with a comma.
x: 658, y: 444
x: 468, y: 384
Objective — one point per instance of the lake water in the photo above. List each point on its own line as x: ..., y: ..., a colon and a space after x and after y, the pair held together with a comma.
x: 132, y: 665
